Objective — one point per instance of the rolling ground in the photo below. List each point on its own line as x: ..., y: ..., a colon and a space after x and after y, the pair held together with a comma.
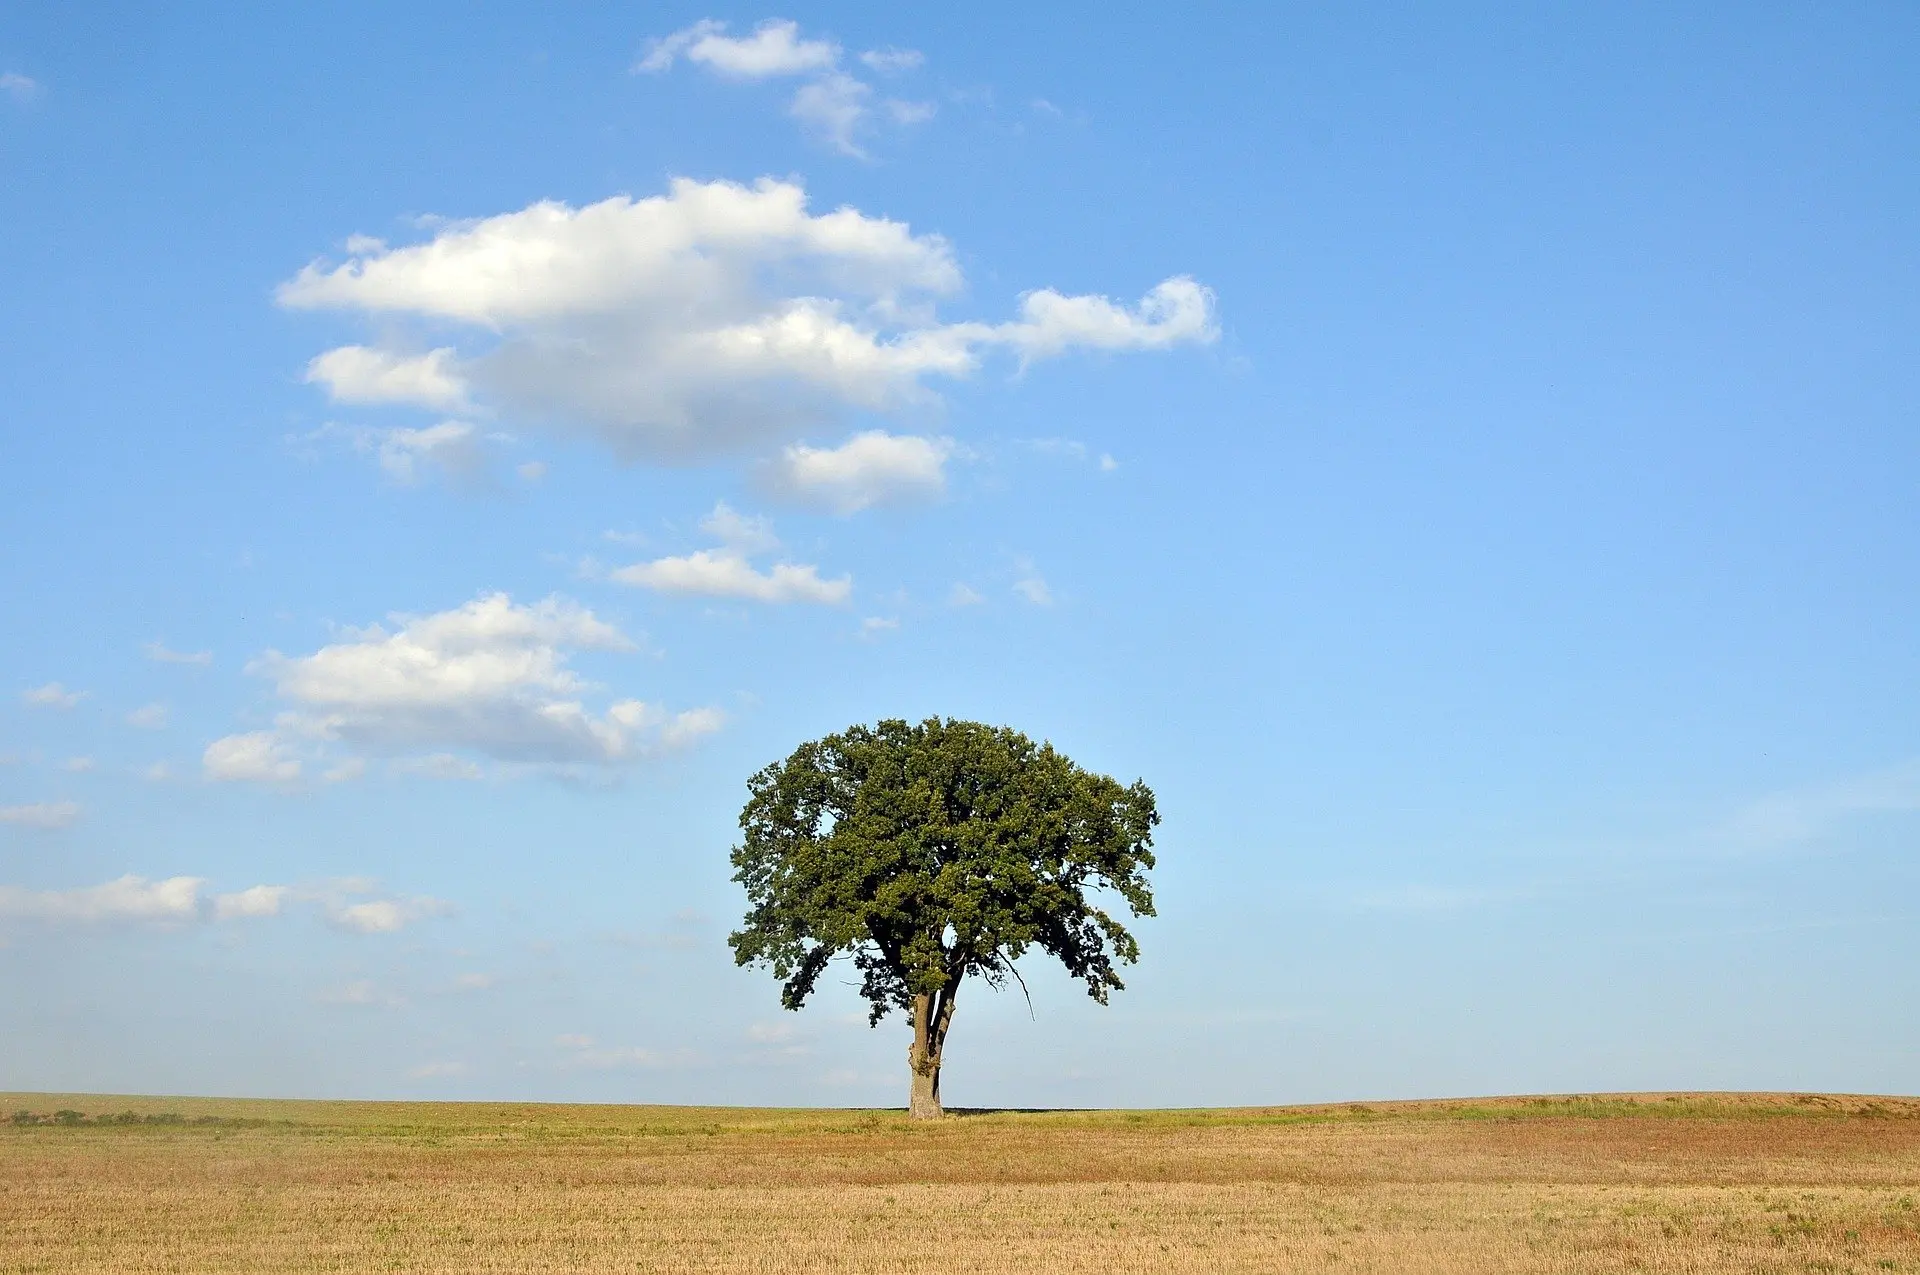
x: 1653, y: 1183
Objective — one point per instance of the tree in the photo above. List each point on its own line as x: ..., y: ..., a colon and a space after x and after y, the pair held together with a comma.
x: 930, y: 853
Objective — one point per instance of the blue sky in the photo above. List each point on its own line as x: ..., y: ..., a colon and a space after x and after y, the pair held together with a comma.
x: 1463, y: 458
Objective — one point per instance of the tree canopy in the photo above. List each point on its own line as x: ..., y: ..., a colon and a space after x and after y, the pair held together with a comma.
x: 927, y: 853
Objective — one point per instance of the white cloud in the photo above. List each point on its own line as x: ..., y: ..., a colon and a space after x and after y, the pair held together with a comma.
x: 832, y: 108
x: 964, y: 595
x: 453, y: 449
x: 129, y: 898
x: 358, y: 374
x: 710, y: 320
x: 532, y: 470
x: 742, y: 533
x: 1032, y: 588
x: 257, y: 756
x: 255, y: 901
x: 871, y: 468
x: 909, y: 113
x: 1809, y: 814
x: 158, y: 652
x: 893, y: 61
x: 691, y: 726
x: 148, y: 717
x: 157, y: 772
x: 474, y: 982
x: 489, y: 677
x: 1107, y: 463
x: 722, y: 573
x: 383, y: 916
x: 42, y: 814
x: 1175, y: 311
x: 874, y: 625
x: 726, y: 572
x: 52, y: 695
x: 19, y: 87
x: 774, y: 49
x: 77, y: 765
x: 175, y: 900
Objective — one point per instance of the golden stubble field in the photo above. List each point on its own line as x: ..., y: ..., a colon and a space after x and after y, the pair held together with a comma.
x: 1655, y: 1183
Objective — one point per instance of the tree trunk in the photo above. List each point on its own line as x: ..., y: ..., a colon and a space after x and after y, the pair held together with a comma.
x: 930, y: 1019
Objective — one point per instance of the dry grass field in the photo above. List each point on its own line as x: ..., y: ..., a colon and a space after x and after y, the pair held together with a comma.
x: 1654, y: 1183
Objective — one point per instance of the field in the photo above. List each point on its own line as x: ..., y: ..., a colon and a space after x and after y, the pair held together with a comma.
x: 1648, y: 1183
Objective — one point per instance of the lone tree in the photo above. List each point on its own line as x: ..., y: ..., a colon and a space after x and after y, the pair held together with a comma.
x: 931, y: 852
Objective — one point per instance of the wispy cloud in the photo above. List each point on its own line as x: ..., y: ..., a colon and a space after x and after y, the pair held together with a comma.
x: 52, y: 695
x: 148, y: 717
x: 834, y: 104
x: 20, y: 88
x: 1815, y: 812
x: 42, y: 814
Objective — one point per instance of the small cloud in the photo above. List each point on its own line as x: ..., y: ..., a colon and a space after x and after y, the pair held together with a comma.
x: 893, y: 61
x: 474, y: 982
x: 158, y: 772
x: 437, y: 1070
x: 384, y: 916
x: 869, y: 469
x: 1810, y: 814
x: 743, y: 533
x: 257, y: 901
x: 254, y: 757
x: 531, y: 471
x: 357, y: 374
x: 726, y: 573
x: 77, y: 765
x: 148, y: 717
x: 45, y: 815
x: 908, y: 114
x: 774, y: 49
x: 1031, y: 587
x: 350, y: 769
x: 158, y: 652
x: 1043, y: 107
x: 453, y: 449
x: 21, y: 88
x: 875, y: 625
x: 687, y: 727
x: 964, y: 595
x: 52, y: 695
x: 833, y: 107
x: 1107, y: 463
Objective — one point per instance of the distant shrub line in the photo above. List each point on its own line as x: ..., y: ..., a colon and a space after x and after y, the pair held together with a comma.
x: 67, y: 1117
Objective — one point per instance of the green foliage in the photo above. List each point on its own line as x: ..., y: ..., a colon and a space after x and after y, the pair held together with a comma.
x: 927, y: 853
